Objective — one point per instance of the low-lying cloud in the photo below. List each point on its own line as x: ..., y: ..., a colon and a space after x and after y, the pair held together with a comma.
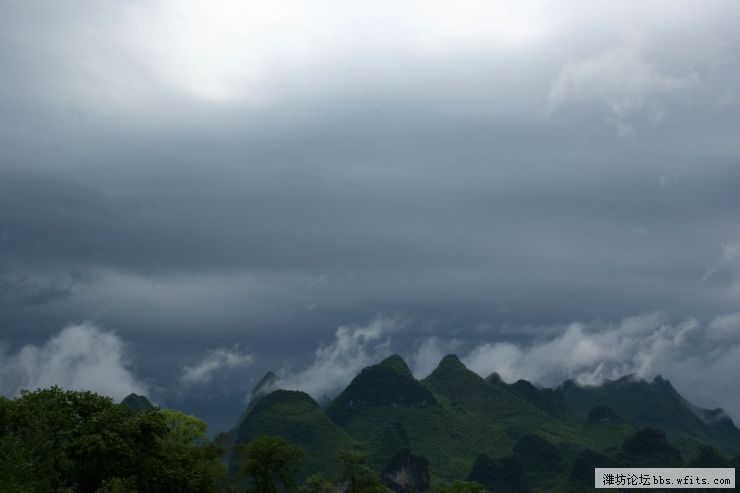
x: 702, y: 360
x: 79, y: 357
x: 335, y: 364
x: 214, y: 362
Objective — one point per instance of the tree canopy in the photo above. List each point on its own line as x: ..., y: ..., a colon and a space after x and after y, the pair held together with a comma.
x: 271, y: 463
x: 55, y: 440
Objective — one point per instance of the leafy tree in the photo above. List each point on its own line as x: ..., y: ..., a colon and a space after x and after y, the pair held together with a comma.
x: 648, y: 447
x: 271, y: 463
x: 16, y: 466
x: 184, y: 428
x: 460, y: 487
x: 538, y: 455
x: 406, y: 472
x: 582, y: 471
x: 52, y: 440
x: 77, y: 439
x: 16, y: 457
x: 186, y: 460
x: 709, y: 457
x: 505, y: 474
x: 114, y: 441
x: 118, y: 485
x: 357, y: 475
x: 316, y: 483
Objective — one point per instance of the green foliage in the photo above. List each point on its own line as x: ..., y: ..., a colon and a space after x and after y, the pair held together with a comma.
x: 467, y: 416
x: 710, y: 457
x: 118, y: 485
x: 186, y: 460
x: 397, y: 364
x: 543, y: 439
x: 78, y: 439
x: 82, y: 442
x: 316, y: 483
x: 406, y: 472
x: 500, y: 475
x: 16, y: 466
x: 655, y: 404
x: 538, y: 455
x: 460, y: 487
x: 501, y: 437
x: 551, y: 401
x: 582, y: 472
x: 602, y: 414
x: 296, y: 417
x: 184, y: 428
x: 271, y: 463
x: 356, y: 475
x: 465, y: 391
x: 16, y: 456
x: 386, y: 384
x: 648, y: 447
x: 735, y: 462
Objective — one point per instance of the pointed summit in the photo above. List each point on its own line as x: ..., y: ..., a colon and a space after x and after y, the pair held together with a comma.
x: 663, y: 384
x: 295, y: 416
x: 466, y: 390
x: 451, y: 361
x: 452, y: 377
x: 452, y: 372
x: 387, y: 384
x: 137, y: 402
x: 494, y: 378
x: 551, y: 401
x: 397, y: 364
x: 266, y: 385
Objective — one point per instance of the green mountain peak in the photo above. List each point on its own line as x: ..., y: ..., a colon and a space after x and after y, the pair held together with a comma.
x: 456, y: 382
x: 137, y: 402
x: 265, y: 385
x: 451, y: 373
x: 397, y: 363
x: 549, y: 400
x: 662, y: 383
x: 387, y: 384
x: 295, y: 416
x: 529, y: 436
x: 494, y: 378
x: 451, y: 361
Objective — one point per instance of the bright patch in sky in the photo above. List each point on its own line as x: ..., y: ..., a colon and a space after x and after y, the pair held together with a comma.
x: 232, y: 51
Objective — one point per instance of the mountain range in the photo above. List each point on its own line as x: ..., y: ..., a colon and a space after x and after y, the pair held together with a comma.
x: 455, y: 425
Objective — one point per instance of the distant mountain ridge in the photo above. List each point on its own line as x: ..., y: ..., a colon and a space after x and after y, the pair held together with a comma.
x: 655, y: 404
x: 460, y: 423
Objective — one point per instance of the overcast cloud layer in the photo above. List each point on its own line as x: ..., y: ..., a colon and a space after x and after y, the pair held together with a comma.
x: 224, y: 184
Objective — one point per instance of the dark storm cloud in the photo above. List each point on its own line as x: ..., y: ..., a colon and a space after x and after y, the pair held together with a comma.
x: 200, y: 177
x: 20, y: 290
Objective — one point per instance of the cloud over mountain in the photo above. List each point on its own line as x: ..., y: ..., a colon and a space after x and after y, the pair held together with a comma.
x: 700, y: 359
x: 215, y: 361
x: 336, y: 363
x: 199, y: 174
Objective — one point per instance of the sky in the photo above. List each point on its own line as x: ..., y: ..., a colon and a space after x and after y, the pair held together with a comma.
x: 194, y: 193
